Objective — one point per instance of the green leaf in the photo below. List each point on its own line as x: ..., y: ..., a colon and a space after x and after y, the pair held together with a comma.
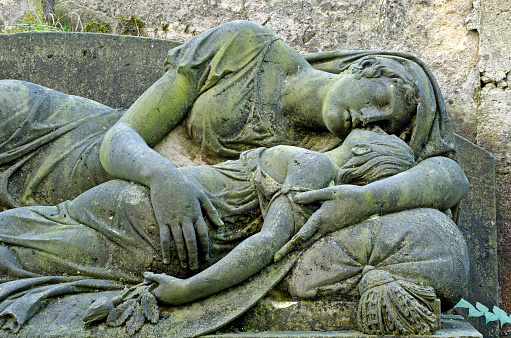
x: 502, y: 322
x: 491, y: 317
x: 481, y: 307
x: 474, y: 313
x: 499, y: 312
x: 464, y: 304
x: 503, y: 317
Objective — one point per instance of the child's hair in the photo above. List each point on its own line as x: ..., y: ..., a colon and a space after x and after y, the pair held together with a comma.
x: 373, y: 161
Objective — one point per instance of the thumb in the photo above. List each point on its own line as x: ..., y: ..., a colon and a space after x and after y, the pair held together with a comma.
x: 211, y: 212
x: 315, y: 196
x: 155, y: 277
x: 303, y: 235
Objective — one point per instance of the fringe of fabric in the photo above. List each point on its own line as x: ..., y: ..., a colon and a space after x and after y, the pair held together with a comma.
x: 393, y: 306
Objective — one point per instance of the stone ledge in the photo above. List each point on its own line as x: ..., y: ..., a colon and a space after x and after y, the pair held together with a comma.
x: 271, y: 315
x: 453, y: 326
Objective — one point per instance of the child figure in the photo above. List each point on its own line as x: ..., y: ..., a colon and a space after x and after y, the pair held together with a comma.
x: 277, y: 174
x: 110, y: 231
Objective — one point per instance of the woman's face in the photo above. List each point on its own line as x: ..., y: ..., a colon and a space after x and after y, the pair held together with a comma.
x: 356, y: 103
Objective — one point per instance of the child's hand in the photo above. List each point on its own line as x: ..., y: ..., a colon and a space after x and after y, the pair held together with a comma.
x: 343, y: 205
x: 171, y: 290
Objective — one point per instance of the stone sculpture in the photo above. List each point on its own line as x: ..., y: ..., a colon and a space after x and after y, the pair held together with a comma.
x: 295, y: 148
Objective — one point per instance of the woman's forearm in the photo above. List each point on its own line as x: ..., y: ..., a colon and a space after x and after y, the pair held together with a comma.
x: 126, y: 148
x: 125, y: 155
x: 179, y: 205
x: 436, y: 182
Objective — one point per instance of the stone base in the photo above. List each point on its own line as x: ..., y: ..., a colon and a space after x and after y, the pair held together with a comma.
x: 63, y: 318
x: 272, y: 315
x: 453, y: 326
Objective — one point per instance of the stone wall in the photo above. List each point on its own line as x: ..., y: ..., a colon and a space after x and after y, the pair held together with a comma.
x: 465, y: 43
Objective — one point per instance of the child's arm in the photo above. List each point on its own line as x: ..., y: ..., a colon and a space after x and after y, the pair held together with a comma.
x: 248, y: 258
x: 298, y: 167
x: 290, y: 166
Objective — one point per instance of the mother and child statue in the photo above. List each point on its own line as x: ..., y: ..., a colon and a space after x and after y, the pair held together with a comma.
x: 345, y: 161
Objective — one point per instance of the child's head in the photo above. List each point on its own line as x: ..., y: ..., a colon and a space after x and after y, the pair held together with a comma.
x: 374, y: 157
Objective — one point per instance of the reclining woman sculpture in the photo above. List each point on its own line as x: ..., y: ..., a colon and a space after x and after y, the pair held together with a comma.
x: 214, y: 102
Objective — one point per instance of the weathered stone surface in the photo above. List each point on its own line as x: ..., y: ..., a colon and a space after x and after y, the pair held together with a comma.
x: 293, y: 21
x: 494, y: 126
x: 443, y: 34
x: 11, y: 11
x: 63, y: 317
x: 277, y: 315
x: 503, y: 194
x: 452, y: 327
x: 478, y: 225
x: 462, y: 105
x: 80, y: 18
x: 106, y: 68
x: 494, y: 49
x: 140, y: 44
x: 434, y: 31
x: 271, y: 315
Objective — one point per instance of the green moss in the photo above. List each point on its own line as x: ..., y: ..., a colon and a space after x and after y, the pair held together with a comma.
x: 89, y: 26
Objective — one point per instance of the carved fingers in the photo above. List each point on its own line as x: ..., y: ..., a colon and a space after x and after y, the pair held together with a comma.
x: 180, y: 216
x: 165, y: 243
x: 211, y: 212
x: 189, y: 237
x: 316, y: 196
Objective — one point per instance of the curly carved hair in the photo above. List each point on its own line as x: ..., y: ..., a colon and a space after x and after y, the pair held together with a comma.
x: 374, y: 67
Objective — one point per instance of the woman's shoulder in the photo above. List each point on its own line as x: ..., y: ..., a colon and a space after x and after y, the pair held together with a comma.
x: 244, y: 25
x: 233, y: 43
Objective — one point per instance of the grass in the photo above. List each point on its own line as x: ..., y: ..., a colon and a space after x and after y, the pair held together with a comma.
x: 34, y: 21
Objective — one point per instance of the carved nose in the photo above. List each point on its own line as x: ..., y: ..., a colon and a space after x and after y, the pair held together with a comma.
x: 356, y: 119
x: 370, y: 115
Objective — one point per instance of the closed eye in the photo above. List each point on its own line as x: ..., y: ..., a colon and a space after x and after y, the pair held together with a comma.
x: 382, y: 96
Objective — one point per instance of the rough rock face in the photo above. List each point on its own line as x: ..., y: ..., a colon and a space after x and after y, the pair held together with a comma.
x: 493, y: 124
x: 435, y: 31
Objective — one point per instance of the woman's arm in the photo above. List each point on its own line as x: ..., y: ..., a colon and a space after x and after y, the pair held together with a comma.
x: 126, y: 153
x: 437, y: 182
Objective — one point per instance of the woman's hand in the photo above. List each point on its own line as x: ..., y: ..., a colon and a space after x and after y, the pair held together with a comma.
x: 178, y: 204
x: 343, y: 205
x: 170, y: 290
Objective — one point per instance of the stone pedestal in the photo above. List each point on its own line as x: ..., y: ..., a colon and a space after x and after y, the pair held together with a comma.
x: 452, y: 327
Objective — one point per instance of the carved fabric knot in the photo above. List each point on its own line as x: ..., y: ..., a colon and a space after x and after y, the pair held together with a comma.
x: 285, y: 190
x: 394, y: 306
x: 371, y: 277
